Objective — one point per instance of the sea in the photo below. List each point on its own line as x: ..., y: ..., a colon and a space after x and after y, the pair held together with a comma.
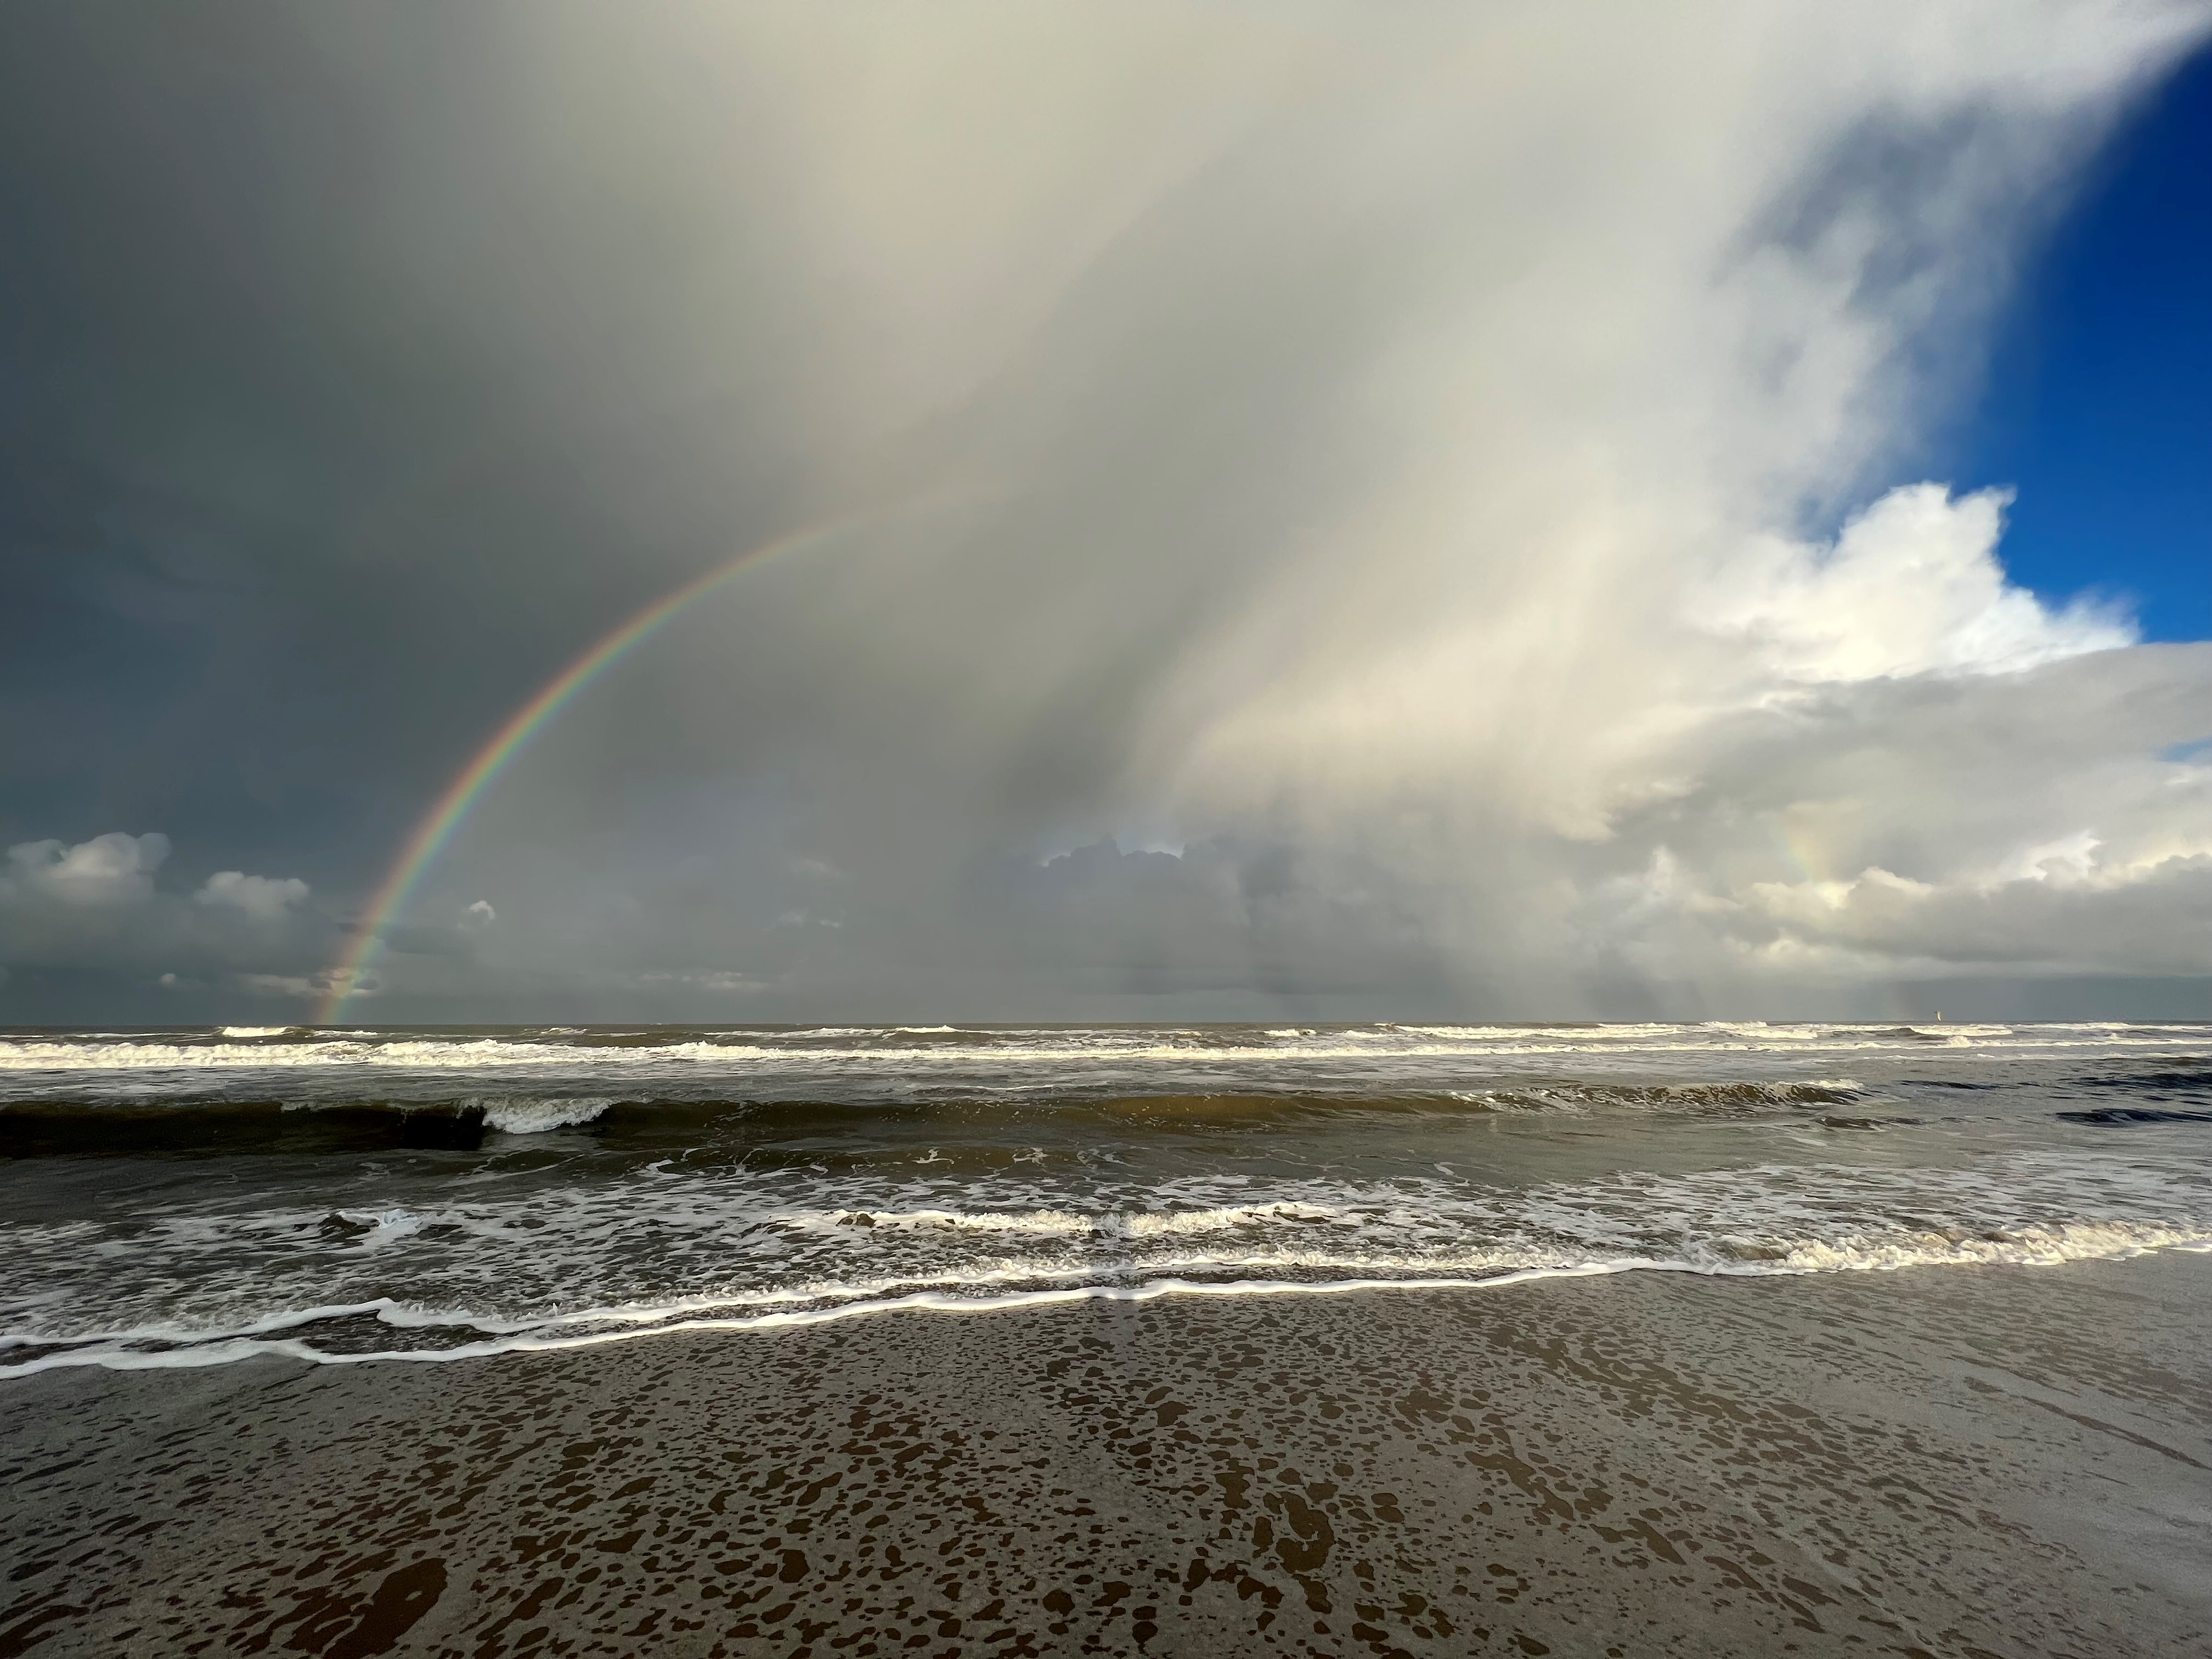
x: 187, y: 1197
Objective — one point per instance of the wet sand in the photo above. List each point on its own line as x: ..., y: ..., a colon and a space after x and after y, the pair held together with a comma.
x: 1953, y: 1461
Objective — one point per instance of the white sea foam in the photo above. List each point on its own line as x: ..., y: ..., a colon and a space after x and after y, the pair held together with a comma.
x: 1585, y: 1096
x: 114, y: 1350
x: 758, y: 1051
x: 396, y: 1054
x: 530, y: 1114
x: 385, y: 1226
x: 665, y: 1249
x: 1137, y: 1224
x: 1173, y: 1223
x: 1056, y: 1223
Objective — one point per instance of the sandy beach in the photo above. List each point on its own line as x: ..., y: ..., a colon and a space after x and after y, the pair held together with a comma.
x: 1970, y: 1461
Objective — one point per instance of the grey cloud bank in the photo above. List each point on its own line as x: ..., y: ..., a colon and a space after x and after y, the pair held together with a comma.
x: 1436, y: 516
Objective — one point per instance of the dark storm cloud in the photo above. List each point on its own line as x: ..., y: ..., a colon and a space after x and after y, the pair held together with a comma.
x: 299, y: 486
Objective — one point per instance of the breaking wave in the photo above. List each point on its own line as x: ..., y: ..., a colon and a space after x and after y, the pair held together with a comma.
x: 109, y: 1127
x: 259, y: 1047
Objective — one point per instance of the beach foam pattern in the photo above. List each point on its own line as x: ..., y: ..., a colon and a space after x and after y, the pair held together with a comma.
x: 202, y: 1283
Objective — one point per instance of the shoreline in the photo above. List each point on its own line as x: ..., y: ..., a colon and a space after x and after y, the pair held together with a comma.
x: 2008, y: 1459
x: 259, y: 1341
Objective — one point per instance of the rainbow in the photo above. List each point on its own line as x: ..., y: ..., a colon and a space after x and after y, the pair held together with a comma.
x: 451, y: 810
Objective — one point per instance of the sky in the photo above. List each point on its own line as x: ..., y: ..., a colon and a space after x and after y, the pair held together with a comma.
x: 2094, y: 404
x: 1225, y: 511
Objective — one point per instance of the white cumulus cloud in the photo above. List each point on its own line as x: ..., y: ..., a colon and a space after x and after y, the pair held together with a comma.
x: 112, y: 869
x: 1911, y: 585
x: 99, y: 905
x: 262, y: 898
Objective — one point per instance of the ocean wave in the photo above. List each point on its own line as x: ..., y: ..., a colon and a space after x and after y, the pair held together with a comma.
x: 48, y: 1054
x: 140, y: 1129
x: 1572, y: 1096
x: 951, y: 1048
x: 667, y: 1246
x: 182, y: 1124
x: 297, y: 1125
x: 530, y: 1114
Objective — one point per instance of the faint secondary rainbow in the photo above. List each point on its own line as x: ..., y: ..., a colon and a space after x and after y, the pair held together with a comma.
x: 451, y: 809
